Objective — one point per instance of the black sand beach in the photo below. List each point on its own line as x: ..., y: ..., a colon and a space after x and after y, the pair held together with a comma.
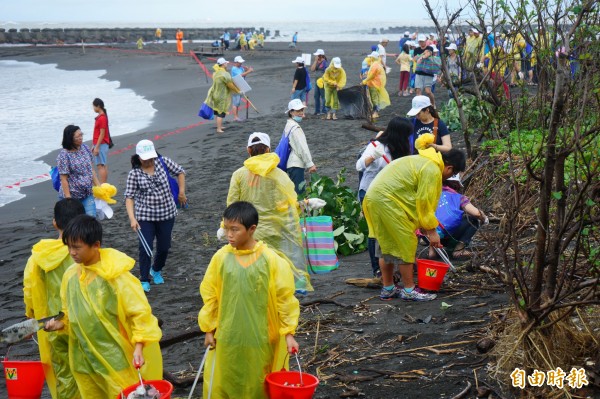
x: 345, y: 330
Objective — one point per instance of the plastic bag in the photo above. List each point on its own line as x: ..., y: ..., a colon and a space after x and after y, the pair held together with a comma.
x: 206, y: 112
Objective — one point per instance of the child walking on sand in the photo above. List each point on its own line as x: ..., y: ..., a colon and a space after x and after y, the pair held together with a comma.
x: 41, y: 292
x: 108, y: 320
x: 250, y: 313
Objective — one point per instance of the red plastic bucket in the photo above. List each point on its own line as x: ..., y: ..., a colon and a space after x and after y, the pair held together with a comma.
x: 431, y: 274
x: 164, y: 387
x: 24, y: 379
x: 278, y: 390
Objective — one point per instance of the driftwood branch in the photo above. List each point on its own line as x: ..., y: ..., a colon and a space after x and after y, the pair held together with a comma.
x: 166, y: 342
x: 324, y: 301
x: 180, y: 382
x: 464, y: 392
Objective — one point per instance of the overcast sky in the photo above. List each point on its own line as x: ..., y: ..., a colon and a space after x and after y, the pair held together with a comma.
x: 153, y: 11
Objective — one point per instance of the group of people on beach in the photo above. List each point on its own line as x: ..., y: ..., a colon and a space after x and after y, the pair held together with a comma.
x: 108, y: 329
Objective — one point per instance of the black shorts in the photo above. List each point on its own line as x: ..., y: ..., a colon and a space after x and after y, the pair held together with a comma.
x: 220, y: 115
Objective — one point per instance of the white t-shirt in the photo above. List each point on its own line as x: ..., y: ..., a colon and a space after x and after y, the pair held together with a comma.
x: 381, y: 51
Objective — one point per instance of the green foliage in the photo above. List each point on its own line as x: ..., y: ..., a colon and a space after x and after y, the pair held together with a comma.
x: 349, y: 226
x: 528, y: 145
x: 475, y: 112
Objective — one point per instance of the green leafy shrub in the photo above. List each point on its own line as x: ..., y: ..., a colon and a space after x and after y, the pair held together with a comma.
x: 349, y: 225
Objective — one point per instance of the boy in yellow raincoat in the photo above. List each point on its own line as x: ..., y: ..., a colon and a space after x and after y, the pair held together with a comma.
x: 403, y: 198
x: 334, y: 79
x: 219, y: 94
x: 272, y: 193
x: 41, y: 292
x: 250, y: 314
x: 108, y: 319
x: 376, y: 80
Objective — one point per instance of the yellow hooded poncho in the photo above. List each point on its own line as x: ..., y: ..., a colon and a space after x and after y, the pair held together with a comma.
x: 271, y: 191
x: 376, y: 80
x: 249, y: 300
x: 41, y: 291
x: 219, y: 94
x: 402, y: 198
x: 106, y: 314
x: 334, y: 79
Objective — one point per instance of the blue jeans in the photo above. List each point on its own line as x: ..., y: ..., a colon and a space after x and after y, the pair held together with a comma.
x: 297, y: 177
x: 320, y: 107
x: 300, y: 94
x: 370, y: 241
x: 88, y: 204
x: 463, y: 233
x: 162, y: 231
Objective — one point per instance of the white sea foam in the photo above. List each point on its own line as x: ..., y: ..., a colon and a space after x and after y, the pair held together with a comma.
x: 38, y: 101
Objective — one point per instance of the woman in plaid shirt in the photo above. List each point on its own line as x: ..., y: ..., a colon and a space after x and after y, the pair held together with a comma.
x: 151, y: 206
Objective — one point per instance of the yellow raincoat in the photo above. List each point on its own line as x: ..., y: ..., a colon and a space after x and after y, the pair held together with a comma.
x: 249, y: 300
x: 41, y: 291
x: 271, y: 191
x: 473, y: 50
x: 243, y: 41
x: 106, y: 314
x: 334, y: 79
x: 402, y: 198
x: 376, y: 80
x: 219, y: 94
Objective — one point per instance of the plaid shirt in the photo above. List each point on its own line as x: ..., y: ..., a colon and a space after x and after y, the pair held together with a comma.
x: 151, y: 193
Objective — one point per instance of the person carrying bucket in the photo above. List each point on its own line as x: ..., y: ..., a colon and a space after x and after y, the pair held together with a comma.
x: 250, y: 314
x: 41, y: 292
x: 107, y: 317
x: 403, y: 198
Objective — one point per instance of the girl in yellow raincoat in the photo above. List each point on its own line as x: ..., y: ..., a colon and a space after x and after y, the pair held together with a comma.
x: 41, y: 292
x: 271, y: 191
x: 403, y: 198
x: 376, y: 80
x: 334, y: 79
x: 219, y: 94
x: 250, y: 314
x: 107, y: 316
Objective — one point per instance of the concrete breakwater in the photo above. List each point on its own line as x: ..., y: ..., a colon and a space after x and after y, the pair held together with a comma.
x: 117, y: 35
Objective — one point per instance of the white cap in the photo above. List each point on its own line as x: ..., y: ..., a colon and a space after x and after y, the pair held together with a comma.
x: 383, y: 40
x: 296, y: 105
x: 422, y: 38
x: 488, y: 29
x: 418, y: 103
x: 452, y: 46
x: 298, y: 60
x: 435, y: 49
x: 374, y: 54
x: 407, y: 33
x: 263, y: 138
x: 319, y: 52
x: 456, y: 177
x: 474, y: 30
x: 432, y: 34
x: 336, y: 62
x: 412, y: 43
x: 238, y: 58
x: 222, y: 61
x: 145, y: 150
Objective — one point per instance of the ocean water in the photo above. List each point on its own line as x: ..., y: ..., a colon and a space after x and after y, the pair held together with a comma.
x: 308, y: 31
x: 38, y: 101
